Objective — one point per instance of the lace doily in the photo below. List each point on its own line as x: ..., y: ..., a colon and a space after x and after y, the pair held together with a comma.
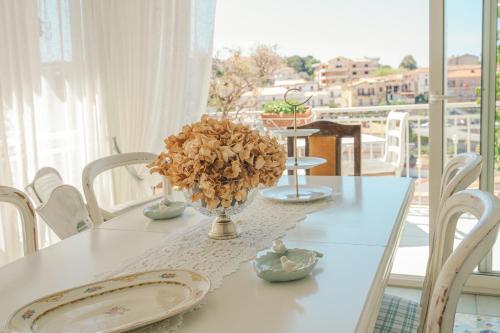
x: 260, y: 224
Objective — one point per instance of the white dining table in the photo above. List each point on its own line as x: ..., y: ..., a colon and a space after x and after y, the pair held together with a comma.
x: 358, y: 235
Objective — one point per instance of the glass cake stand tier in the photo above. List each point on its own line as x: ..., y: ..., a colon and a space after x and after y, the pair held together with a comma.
x: 304, y: 162
x: 301, y: 132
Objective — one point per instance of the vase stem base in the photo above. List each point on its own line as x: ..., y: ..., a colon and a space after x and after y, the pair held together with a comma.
x: 223, y: 228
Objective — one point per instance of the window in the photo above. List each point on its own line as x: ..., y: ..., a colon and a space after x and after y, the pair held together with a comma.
x: 380, y: 89
x: 366, y: 72
x: 354, y: 66
x: 366, y: 65
x: 338, y: 66
x: 354, y: 73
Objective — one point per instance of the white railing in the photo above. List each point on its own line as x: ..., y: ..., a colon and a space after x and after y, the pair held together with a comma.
x: 462, y: 130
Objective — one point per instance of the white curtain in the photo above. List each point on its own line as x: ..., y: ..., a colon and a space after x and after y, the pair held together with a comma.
x: 154, y: 61
x: 50, y: 113
x: 76, y: 73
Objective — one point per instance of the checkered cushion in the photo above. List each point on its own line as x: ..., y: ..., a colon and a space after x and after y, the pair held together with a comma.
x: 397, y: 315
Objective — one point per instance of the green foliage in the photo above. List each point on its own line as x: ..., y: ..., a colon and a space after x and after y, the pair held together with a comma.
x: 408, y: 62
x: 385, y: 70
x: 280, y: 107
x: 422, y: 99
x: 332, y: 104
x: 302, y: 64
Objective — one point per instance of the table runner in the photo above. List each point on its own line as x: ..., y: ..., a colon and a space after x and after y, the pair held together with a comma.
x: 260, y: 224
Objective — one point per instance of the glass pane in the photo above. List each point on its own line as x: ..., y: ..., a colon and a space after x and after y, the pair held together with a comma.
x: 353, y: 79
x: 462, y: 123
x: 496, y: 248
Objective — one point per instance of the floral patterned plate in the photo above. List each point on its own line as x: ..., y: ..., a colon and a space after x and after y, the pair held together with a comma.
x: 114, y: 305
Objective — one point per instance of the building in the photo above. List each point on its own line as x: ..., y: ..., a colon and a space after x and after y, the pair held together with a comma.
x: 398, y: 89
x: 418, y: 81
x: 463, y: 82
x: 260, y: 96
x: 286, y: 73
x: 343, y: 71
x: 464, y: 59
x: 300, y: 84
x: 365, y: 92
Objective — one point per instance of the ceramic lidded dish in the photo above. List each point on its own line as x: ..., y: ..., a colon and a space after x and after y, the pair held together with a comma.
x: 282, y: 264
x: 165, y: 209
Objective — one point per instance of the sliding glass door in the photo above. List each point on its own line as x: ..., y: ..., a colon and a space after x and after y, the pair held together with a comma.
x: 463, y: 86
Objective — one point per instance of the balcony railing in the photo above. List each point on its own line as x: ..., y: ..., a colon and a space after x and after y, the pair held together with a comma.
x: 462, y: 130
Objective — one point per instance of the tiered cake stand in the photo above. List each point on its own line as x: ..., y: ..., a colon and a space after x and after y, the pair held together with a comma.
x: 297, y: 192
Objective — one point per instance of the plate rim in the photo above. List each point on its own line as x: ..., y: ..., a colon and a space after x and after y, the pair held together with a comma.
x: 292, y: 186
x: 130, y: 326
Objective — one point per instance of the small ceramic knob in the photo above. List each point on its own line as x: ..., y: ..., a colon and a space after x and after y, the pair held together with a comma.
x: 288, y: 265
x: 279, y: 246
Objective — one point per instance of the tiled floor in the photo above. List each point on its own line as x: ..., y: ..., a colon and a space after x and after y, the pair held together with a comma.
x: 470, y: 304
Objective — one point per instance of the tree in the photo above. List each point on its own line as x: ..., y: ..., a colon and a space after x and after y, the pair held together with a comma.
x: 237, y: 74
x: 309, y: 61
x: 385, y: 70
x: 302, y: 64
x: 408, y: 62
x: 266, y: 61
x: 296, y: 62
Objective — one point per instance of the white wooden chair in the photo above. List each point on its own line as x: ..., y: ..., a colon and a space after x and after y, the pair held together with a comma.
x: 93, y: 169
x: 45, y: 180
x: 459, y: 173
x: 395, y: 148
x: 65, y: 212
x: 25, y: 208
x: 453, y: 267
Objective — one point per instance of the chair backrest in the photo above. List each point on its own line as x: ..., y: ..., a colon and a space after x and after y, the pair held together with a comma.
x: 456, y: 266
x: 327, y: 143
x: 395, y: 140
x: 65, y: 212
x: 25, y: 208
x: 46, y: 179
x: 460, y: 172
x: 93, y: 169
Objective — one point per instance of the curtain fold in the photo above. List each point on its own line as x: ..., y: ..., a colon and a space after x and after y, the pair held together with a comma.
x: 154, y: 60
x: 76, y: 73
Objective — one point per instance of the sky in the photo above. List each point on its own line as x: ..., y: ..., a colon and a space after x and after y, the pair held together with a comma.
x: 388, y: 29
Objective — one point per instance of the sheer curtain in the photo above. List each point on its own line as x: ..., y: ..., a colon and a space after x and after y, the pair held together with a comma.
x: 50, y: 110
x: 76, y: 73
x: 154, y: 61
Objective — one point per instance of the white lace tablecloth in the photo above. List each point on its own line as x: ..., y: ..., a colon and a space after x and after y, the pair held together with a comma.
x: 260, y: 224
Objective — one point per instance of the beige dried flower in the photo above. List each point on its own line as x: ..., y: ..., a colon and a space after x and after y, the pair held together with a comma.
x: 220, y: 161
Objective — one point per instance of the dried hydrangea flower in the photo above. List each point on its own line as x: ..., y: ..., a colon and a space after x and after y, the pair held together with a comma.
x: 220, y: 161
